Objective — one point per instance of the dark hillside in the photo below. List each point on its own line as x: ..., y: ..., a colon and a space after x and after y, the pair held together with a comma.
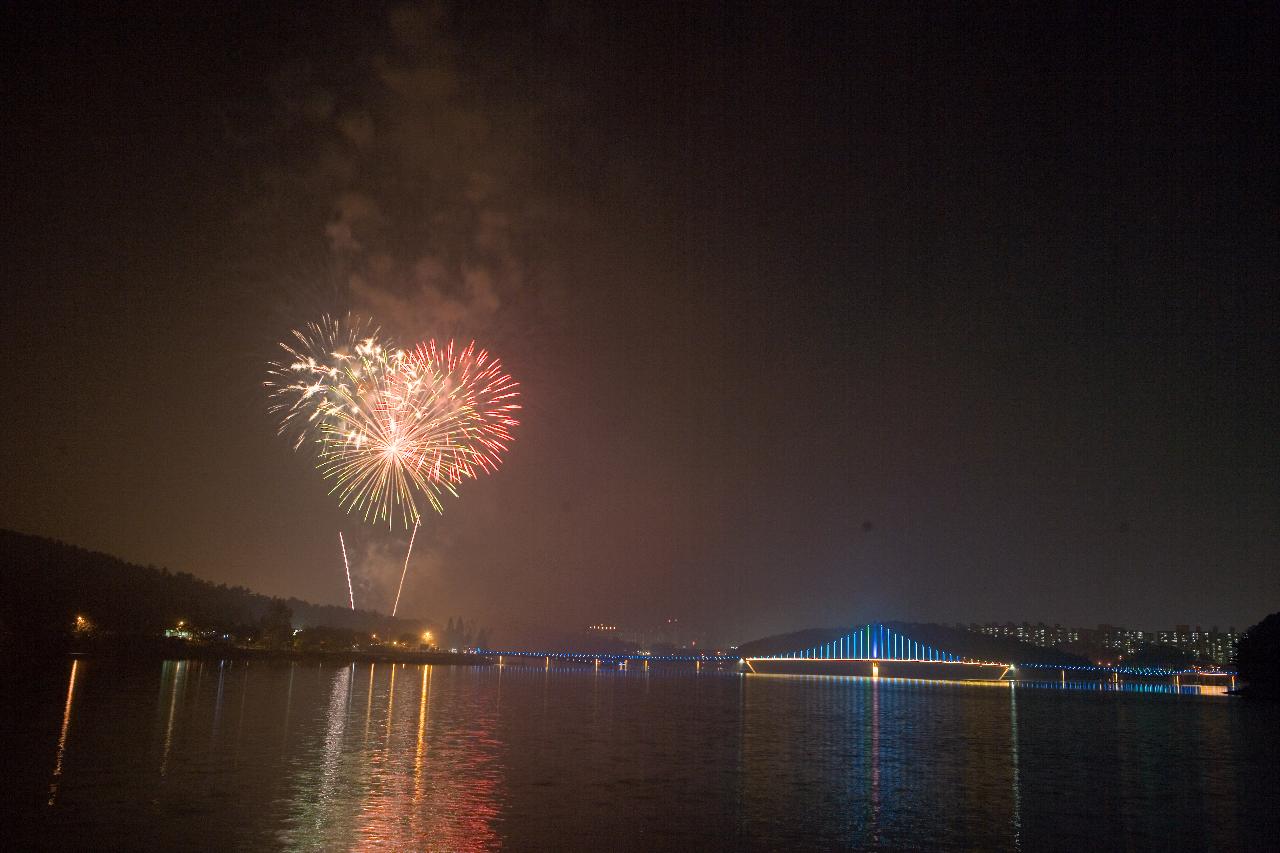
x: 48, y: 583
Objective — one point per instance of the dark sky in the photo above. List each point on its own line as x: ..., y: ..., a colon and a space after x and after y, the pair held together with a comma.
x: 822, y: 313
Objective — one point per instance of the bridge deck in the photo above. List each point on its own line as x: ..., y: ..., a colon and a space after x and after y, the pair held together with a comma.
x: 589, y: 657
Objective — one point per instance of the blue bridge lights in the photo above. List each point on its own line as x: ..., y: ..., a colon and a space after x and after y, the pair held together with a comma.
x: 873, y: 642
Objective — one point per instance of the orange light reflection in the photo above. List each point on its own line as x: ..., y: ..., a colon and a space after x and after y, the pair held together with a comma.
x: 62, y: 737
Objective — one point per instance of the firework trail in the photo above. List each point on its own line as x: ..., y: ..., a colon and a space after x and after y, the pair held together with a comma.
x: 405, y: 570
x: 350, y: 592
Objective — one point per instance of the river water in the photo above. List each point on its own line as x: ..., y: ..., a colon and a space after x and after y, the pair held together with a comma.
x: 191, y: 755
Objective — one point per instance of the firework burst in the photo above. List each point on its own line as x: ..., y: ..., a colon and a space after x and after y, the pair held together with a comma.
x: 392, y: 428
x: 434, y: 417
x: 327, y: 366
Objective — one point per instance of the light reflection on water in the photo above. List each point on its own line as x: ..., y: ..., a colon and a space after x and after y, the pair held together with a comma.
x: 385, y: 772
x: 391, y: 756
x: 62, y: 736
x: 1167, y: 688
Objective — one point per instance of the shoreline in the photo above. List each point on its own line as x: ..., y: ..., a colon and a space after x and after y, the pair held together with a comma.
x: 165, y: 649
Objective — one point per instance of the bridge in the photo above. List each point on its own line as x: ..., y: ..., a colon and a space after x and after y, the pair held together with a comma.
x: 874, y: 650
x: 610, y: 659
x: 882, y: 645
x: 1135, y: 671
x: 864, y: 652
x: 873, y: 642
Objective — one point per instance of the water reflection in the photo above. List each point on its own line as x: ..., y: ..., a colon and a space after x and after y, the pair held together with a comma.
x: 1174, y: 688
x: 1013, y: 764
x: 429, y: 758
x: 62, y: 736
x: 859, y: 762
x: 339, y: 709
x: 422, y: 728
x: 427, y: 783
x: 244, y: 693
x: 217, y: 702
x: 175, y: 676
x: 874, y: 829
x: 288, y: 706
x: 368, y: 707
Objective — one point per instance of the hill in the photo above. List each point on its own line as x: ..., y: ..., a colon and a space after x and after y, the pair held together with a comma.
x: 48, y: 583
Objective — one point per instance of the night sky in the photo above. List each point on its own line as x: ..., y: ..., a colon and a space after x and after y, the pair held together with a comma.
x: 822, y: 313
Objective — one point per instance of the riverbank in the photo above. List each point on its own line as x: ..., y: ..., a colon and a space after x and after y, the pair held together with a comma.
x: 167, y: 648
x: 330, y: 657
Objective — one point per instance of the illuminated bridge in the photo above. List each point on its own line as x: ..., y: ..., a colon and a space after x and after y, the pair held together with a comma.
x: 878, y: 651
x: 871, y: 642
x: 874, y: 651
x: 604, y: 658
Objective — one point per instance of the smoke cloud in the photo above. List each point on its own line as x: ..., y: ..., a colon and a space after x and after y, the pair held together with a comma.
x: 378, y: 561
x: 406, y: 183
x: 421, y: 176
